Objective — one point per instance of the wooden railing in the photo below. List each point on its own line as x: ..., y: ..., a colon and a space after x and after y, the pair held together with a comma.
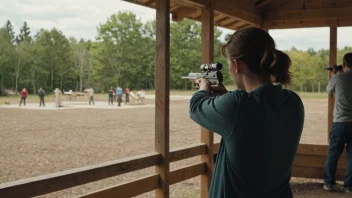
x: 309, y: 163
x: 62, y: 180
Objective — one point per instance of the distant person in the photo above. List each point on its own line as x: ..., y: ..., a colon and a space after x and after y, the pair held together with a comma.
x: 111, y: 96
x: 41, y: 94
x: 119, y: 93
x: 141, y: 95
x: 24, y: 95
x: 91, y: 94
x: 58, y: 94
x: 127, y: 94
x: 341, y: 130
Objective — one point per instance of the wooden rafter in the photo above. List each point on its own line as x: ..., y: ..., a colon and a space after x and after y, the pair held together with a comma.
x: 182, y: 12
x: 262, y: 3
x: 237, y: 25
x: 275, y: 4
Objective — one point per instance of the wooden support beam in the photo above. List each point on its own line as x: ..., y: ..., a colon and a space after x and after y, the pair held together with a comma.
x: 162, y: 94
x: 332, y: 61
x: 324, y: 13
x: 307, y: 4
x: 305, y: 23
x: 207, y: 137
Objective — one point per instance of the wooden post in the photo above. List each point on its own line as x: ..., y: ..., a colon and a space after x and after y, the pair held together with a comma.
x: 162, y: 92
x: 332, y: 61
x: 207, y: 137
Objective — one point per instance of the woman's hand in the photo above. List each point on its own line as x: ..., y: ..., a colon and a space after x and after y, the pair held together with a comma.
x: 204, y: 84
x: 218, y: 90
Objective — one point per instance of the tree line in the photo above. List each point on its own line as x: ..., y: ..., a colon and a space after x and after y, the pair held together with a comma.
x: 123, y: 54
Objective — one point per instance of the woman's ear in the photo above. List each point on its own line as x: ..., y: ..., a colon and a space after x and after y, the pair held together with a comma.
x: 236, y: 65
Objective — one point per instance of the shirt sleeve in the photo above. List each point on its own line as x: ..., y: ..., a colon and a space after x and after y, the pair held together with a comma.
x: 331, y: 85
x: 216, y: 114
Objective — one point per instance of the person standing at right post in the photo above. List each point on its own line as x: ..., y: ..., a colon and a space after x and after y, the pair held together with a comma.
x: 341, y: 130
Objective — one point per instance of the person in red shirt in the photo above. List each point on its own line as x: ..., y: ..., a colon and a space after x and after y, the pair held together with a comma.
x: 24, y: 95
x: 127, y: 93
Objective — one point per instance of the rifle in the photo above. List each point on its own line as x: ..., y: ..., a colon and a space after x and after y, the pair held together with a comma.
x: 210, y: 71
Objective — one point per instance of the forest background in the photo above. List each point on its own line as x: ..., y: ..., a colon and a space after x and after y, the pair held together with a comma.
x: 123, y: 54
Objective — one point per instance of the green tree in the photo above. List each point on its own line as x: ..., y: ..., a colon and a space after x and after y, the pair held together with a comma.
x: 24, y: 34
x: 6, y: 52
x: 9, y: 28
x: 119, y: 54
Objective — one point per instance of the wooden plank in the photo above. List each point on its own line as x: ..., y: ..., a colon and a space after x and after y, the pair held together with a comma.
x: 262, y: 3
x: 316, y: 161
x: 315, y: 149
x: 301, y: 14
x: 308, y: 4
x: 275, y: 4
x: 162, y: 94
x: 234, y: 10
x: 315, y: 173
x: 40, y: 185
x: 128, y: 189
x: 187, y: 172
x: 207, y: 137
x: 228, y: 21
x: 182, y: 13
x: 297, y: 23
x: 187, y: 152
x: 332, y: 61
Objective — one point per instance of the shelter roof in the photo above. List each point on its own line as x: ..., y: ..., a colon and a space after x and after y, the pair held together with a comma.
x: 268, y: 14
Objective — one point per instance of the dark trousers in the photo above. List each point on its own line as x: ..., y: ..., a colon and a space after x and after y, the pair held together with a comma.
x: 119, y: 100
x: 111, y: 100
x: 127, y: 98
x: 91, y: 99
x: 340, y: 135
x: 41, y: 101
x: 24, y: 101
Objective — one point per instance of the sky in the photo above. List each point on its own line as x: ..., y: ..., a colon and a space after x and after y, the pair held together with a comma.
x: 80, y: 18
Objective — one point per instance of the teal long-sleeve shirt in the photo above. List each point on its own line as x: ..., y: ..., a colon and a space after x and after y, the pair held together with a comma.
x: 260, y: 133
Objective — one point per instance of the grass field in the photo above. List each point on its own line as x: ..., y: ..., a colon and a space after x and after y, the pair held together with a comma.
x: 37, y: 142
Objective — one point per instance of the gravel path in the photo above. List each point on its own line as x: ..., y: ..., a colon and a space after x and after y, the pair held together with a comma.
x: 35, y: 142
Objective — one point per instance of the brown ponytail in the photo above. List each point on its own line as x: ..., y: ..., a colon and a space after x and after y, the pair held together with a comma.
x: 257, y: 49
x: 277, y: 64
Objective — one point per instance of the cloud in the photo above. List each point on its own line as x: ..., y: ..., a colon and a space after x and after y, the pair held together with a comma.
x: 80, y: 18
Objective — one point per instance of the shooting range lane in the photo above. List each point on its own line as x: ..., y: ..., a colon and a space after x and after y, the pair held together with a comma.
x: 84, y: 105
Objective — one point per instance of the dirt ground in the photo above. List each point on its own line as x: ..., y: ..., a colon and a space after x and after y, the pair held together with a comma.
x: 35, y: 142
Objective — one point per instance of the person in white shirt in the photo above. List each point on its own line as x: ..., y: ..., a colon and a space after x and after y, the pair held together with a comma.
x: 91, y: 93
